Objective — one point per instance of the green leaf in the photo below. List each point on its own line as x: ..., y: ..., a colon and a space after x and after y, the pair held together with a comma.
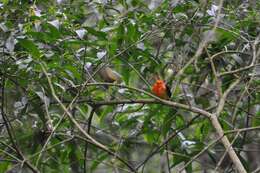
x: 53, y: 31
x: 4, y: 166
x: 202, y: 130
x: 151, y: 136
x: 30, y: 47
x: 101, y: 157
x: 256, y: 119
x: 179, y: 121
x: 167, y: 122
x: 189, y: 168
x: 99, y: 34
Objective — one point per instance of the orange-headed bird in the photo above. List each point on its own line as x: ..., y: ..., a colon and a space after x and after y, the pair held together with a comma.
x: 160, y: 89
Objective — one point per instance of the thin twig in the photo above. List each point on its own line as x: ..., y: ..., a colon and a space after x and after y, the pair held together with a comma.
x: 218, y: 82
x: 72, y: 119
x: 201, y: 152
x: 86, y: 144
x: 166, y: 141
x: 222, y: 100
x: 225, y: 153
x: 9, y: 131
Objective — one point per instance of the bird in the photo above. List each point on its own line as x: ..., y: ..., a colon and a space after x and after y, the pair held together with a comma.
x: 160, y: 89
x: 109, y: 75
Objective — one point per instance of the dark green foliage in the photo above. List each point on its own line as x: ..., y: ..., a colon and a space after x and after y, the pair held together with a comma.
x: 142, y: 41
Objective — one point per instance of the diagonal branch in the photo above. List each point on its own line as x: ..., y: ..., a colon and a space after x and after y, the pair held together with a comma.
x: 72, y: 119
x: 213, y: 118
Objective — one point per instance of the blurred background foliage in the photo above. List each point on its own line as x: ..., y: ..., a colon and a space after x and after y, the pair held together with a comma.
x: 72, y: 39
